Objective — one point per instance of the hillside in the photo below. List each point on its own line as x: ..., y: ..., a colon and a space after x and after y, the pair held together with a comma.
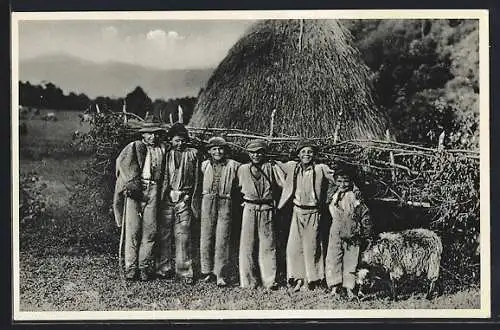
x: 112, y: 79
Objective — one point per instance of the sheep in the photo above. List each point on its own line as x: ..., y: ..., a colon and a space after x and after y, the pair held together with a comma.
x: 410, y: 253
x: 50, y: 116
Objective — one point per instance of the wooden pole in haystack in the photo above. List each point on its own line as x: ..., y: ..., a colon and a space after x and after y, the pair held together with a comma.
x: 301, y: 33
x: 307, y: 68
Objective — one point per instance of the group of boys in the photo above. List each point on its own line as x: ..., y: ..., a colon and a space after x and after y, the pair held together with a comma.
x: 162, y: 186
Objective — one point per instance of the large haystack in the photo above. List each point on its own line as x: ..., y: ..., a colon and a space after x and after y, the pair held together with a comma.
x: 305, y: 69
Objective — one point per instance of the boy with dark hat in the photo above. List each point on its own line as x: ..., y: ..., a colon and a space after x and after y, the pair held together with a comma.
x: 139, y: 173
x: 259, y: 181
x: 351, y: 226
x: 306, y: 187
x: 180, y: 199
x: 219, y: 178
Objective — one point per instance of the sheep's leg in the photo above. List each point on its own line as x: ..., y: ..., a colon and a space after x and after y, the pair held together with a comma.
x: 431, y: 288
x: 393, y: 286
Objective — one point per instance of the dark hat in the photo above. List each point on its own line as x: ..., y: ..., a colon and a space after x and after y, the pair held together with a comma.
x: 150, y: 128
x: 178, y: 129
x: 216, y: 141
x: 254, y: 145
x: 343, y: 170
x: 306, y: 143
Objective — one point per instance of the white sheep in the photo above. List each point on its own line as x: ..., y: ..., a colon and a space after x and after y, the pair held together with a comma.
x: 408, y: 253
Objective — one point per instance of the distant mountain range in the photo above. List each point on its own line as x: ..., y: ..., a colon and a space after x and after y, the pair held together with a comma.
x: 113, y: 79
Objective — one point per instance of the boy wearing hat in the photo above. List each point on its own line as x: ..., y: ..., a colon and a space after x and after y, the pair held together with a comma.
x: 219, y: 178
x: 139, y: 173
x: 259, y: 181
x: 351, y: 226
x: 180, y: 200
x: 305, y: 187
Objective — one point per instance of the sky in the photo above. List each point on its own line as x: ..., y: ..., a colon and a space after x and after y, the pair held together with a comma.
x: 174, y: 44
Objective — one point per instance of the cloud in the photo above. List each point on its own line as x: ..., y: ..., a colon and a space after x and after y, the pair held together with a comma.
x: 174, y: 35
x: 159, y: 36
x: 156, y: 35
x: 109, y: 32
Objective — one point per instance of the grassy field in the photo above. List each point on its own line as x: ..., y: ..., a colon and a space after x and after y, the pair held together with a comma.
x: 49, y: 138
x: 93, y: 283
x: 61, y: 272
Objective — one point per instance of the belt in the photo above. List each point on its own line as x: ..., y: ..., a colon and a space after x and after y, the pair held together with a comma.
x: 306, y: 207
x: 217, y: 195
x: 260, y: 201
x: 149, y: 181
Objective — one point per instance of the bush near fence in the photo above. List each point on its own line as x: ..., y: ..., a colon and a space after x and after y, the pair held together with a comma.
x: 405, y: 185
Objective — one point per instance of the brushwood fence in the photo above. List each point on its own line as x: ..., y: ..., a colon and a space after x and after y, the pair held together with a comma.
x: 413, y: 185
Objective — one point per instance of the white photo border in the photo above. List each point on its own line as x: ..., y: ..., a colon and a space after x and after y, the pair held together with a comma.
x: 485, y: 281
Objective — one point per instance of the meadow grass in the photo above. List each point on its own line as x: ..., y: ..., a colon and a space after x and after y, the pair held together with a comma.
x: 51, y: 138
x: 93, y: 283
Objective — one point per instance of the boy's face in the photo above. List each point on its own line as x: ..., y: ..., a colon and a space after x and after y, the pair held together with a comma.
x: 178, y: 143
x: 217, y: 153
x: 343, y: 182
x: 306, y: 155
x: 151, y: 138
x: 257, y: 157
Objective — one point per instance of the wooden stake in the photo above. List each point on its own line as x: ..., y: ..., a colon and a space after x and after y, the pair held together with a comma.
x: 124, y: 110
x: 171, y: 119
x: 181, y: 118
x: 337, y: 128
x: 391, y: 157
x: 271, y: 130
x: 441, y: 141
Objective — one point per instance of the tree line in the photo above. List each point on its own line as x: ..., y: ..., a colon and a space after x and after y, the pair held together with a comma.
x: 50, y: 96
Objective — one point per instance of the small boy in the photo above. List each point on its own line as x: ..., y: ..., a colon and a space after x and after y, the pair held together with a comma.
x: 351, y: 226
x: 219, y: 177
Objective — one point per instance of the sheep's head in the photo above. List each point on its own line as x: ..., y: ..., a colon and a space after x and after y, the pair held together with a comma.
x: 362, y: 276
x: 368, y: 256
x: 365, y: 279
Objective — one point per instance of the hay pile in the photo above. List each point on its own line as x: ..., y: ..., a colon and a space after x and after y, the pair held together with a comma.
x: 305, y: 69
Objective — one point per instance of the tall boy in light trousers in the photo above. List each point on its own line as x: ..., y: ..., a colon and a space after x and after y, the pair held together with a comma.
x: 219, y: 178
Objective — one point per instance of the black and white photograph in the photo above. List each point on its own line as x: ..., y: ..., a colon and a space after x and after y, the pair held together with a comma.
x: 250, y: 165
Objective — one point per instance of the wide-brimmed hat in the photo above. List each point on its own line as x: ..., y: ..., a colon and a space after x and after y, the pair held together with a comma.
x: 216, y: 141
x: 150, y: 128
x: 178, y: 129
x: 254, y: 145
x: 306, y: 143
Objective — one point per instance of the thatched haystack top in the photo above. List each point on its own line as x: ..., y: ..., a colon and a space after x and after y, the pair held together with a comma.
x: 305, y: 69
